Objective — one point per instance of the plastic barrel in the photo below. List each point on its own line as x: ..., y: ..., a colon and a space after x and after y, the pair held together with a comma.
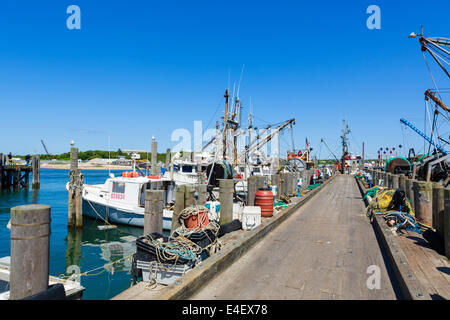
x: 264, y: 200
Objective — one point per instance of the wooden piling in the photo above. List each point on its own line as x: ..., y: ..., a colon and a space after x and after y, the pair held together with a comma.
x: 261, y: 182
x: 75, y: 210
x: 395, y: 181
x: 438, y: 208
x: 1, y: 171
x: 402, y: 182
x: 389, y: 180
x: 446, y: 219
x: 30, y: 243
x: 226, y: 200
x: 154, y: 168
x: 154, y: 207
x: 178, y: 206
x: 167, y: 158
x: 36, y: 171
x: 385, y: 179
x: 202, y: 194
x: 189, y: 196
x: 409, y: 190
x: 423, y: 198
x: 275, y: 179
x: 251, y: 190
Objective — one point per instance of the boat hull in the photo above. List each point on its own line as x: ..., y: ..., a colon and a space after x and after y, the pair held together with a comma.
x: 116, y: 216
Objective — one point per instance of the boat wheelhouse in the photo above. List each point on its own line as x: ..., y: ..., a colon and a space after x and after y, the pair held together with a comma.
x: 121, y: 200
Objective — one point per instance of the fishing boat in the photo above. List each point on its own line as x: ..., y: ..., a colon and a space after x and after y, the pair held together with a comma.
x: 121, y: 199
x: 185, y: 171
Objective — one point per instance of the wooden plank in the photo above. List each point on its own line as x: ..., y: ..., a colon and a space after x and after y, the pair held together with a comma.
x: 424, y: 262
x: 321, y: 252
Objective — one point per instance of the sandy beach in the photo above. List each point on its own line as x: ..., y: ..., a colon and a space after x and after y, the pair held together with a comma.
x: 85, y: 166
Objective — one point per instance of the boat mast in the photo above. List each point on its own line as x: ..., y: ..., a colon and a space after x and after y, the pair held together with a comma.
x: 345, y: 131
x: 225, y: 118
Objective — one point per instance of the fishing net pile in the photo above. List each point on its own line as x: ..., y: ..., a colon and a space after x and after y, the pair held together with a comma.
x: 395, y: 208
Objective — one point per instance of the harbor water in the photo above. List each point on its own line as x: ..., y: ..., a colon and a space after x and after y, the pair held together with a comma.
x: 87, y: 250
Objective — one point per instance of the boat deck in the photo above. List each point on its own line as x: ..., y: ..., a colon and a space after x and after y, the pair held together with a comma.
x: 322, y: 251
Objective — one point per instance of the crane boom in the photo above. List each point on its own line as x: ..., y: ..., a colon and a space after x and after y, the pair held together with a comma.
x: 266, y: 139
x: 441, y: 104
x: 322, y: 140
x: 423, y: 135
x: 42, y: 141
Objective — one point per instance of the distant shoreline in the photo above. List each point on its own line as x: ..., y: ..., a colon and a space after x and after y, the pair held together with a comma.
x: 84, y: 167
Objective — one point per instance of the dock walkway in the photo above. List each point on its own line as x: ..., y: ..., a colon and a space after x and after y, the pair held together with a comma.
x: 322, y: 251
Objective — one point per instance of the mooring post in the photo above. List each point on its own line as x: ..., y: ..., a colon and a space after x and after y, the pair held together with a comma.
x: 302, y: 178
x: 202, y: 194
x: 390, y: 180
x: 295, y: 183
x: 1, y: 171
x: 36, y: 171
x: 275, y: 180
x: 307, y: 177
x: 178, y: 206
x: 30, y: 243
x: 260, y: 182
x: 395, y: 181
x: 251, y: 190
x: 167, y: 158
x: 386, y: 179
x: 423, y: 197
x: 410, y: 192
x: 154, y: 169
x: 154, y: 207
x: 287, y: 184
x: 402, y: 182
x: 292, y: 184
x: 75, y: 210
x: 189, y: 198
x: 72, y: 189
x: 438, y: 208
x: 447, y: 222
x: 226, y: 200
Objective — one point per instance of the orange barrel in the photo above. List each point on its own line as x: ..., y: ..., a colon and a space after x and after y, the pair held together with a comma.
x: 264, y: 199
x: 193, y: 222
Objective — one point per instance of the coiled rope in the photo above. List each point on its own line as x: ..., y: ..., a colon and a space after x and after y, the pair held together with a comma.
x: 180, y: 246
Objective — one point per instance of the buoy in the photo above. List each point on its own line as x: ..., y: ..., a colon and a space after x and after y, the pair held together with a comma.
x: 264, y: 199
x: 130, y: 174
x: 154, y: 177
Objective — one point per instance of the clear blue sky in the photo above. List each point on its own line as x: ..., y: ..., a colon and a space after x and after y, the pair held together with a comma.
x: 143, y: 68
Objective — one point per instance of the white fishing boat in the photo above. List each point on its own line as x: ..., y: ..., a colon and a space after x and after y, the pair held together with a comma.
x: 185, y: 171
x: 121, y: 200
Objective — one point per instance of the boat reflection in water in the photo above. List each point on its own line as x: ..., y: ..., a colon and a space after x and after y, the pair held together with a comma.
x: 92, y: 250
